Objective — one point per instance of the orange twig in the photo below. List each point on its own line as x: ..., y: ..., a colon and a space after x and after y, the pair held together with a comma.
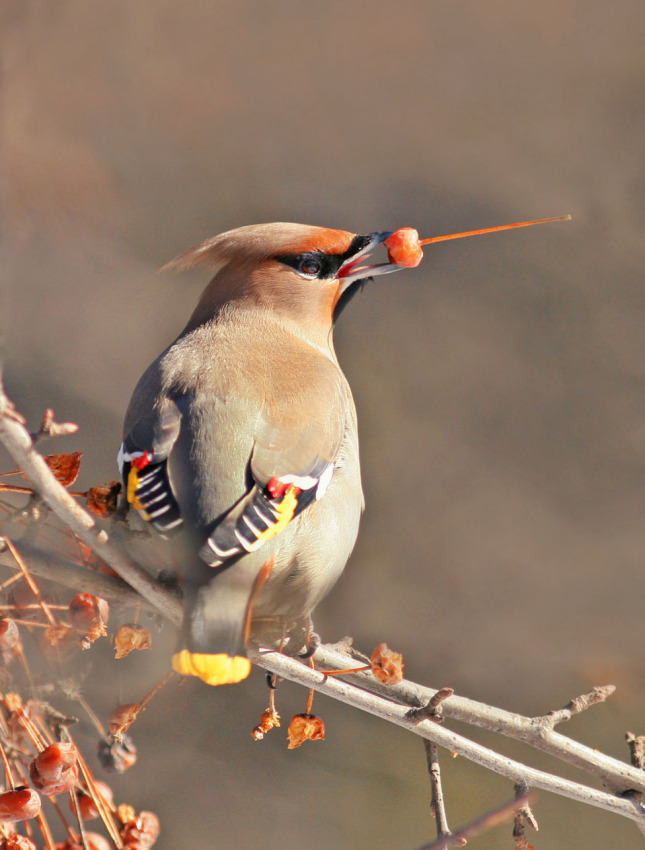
x: 493, y: 229
x: 31, y: 583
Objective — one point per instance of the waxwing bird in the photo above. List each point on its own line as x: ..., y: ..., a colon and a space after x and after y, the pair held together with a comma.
x: 240, y: 441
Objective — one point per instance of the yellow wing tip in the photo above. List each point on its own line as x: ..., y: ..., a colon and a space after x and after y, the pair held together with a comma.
x: 217, y: 669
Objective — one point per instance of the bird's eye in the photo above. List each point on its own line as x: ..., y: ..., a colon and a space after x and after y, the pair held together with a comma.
x: 310, y: 266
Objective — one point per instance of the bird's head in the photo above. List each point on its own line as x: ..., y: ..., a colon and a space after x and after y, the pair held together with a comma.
x: 304, y: 273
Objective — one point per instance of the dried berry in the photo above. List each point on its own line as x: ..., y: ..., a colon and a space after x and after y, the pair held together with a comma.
x: 117, y: 756
x: 17, y: 842
x: 142, y: 830
x: 130, y: 637
x: 55, y: 769
x: 269, y: 720
x: 305, y: 727
x: 89, y: 615
x: 20, y: 804
x: 125, y: 813
x: 102, y: 500
x: 404, y: 248
x: 387, y: 665
x: 86, y: 803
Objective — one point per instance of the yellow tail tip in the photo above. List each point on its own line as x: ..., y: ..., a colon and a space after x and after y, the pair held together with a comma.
x: 219, y: 669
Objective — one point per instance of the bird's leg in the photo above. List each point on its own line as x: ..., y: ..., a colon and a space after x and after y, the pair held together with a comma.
x: 312, y: 640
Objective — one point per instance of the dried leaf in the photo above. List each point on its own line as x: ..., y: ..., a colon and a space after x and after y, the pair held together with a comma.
x: 130, y: 637
x: 387, y: 665
x: 89, y: 615
x: 102, y: 500
x: 305, y: 727
x: 65, y: 467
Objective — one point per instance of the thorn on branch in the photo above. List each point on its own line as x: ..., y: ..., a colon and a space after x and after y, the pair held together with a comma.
x: 49, y: 428
x: 433, y: 709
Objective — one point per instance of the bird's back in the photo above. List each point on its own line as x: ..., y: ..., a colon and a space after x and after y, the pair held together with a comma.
x: 256, y: 400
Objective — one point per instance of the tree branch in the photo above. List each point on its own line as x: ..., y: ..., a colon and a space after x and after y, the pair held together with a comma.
x: 19, y: 443
x: 616, y: 775
x: 57, y: 569
x: 395, y: 712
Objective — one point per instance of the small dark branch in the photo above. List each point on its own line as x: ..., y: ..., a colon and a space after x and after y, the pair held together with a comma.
x: 523, y: 817
x: 576, y: 706
x: 437, y: 803
x: 63, y: 572
x: 485, y: 823
x: 50, y: 428
x: 636, y: 744
x: 433, y: 709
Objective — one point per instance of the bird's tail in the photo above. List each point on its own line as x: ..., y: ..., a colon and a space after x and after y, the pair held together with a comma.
x: 216, y: 627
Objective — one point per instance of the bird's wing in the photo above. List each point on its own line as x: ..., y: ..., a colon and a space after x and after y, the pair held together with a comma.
x: 143, y: 458
x: 291, y: 467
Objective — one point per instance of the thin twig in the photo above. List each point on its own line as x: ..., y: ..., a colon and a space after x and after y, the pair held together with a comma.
x: 437, y: 803
x: 576, y: 706
x: 33, y: 587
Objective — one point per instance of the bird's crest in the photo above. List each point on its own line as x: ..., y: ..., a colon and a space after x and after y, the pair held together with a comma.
x: 258, y: 242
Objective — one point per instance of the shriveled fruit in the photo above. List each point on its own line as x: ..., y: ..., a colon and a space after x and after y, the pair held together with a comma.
x: 20, y: 804
x: 55, y: 769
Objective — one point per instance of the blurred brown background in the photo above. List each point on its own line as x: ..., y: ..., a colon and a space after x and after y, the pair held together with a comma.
x: 499, y: 386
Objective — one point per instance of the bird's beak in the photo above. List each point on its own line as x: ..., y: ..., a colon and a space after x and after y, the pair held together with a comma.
x: 353, y: 268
